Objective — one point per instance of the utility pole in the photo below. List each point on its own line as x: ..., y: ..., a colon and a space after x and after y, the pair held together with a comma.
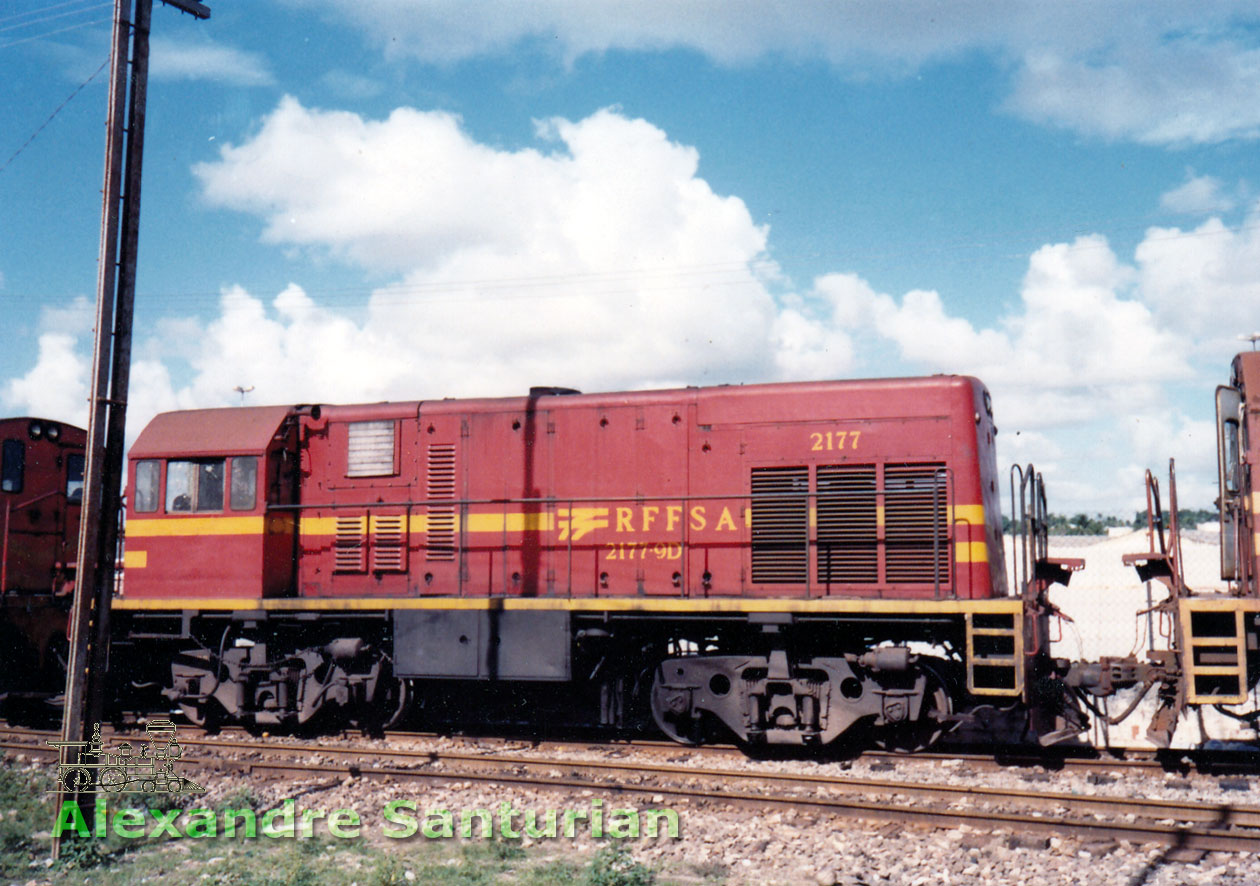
x: 111, y: 372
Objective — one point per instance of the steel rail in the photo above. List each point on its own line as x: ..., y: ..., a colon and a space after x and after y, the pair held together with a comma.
x: 1001, y: 758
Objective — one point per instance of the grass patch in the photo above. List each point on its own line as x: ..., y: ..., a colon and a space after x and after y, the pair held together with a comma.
x: 613, y: 865
x: 27, y: 813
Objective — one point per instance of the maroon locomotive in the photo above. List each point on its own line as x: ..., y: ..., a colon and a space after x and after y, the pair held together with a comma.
x: 779, y: 562
x: 41, y: 485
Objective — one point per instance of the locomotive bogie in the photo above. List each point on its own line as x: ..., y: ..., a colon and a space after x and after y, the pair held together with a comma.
x: 757, y: 671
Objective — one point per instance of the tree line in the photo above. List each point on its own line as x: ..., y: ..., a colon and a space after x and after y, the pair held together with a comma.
x: 1098, y: 524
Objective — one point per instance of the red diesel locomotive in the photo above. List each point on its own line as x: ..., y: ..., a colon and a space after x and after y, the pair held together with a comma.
x: 782, y: 563
x: 41, y: 485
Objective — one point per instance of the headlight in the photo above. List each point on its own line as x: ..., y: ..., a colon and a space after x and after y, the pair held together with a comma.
x: 52, y: 432
x: 36, y: 430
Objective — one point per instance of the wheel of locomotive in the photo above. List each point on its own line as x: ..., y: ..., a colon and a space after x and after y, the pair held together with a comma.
x: 677, y: 722
x: 924, y: 731
x: 392, y: 703
x: 207, y: 715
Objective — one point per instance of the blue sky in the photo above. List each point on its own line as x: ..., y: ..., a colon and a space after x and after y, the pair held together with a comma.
x: 349, y: 201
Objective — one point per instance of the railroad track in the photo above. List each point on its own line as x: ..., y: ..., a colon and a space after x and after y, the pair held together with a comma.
x: 1091, y: 818
x: 982, y: 760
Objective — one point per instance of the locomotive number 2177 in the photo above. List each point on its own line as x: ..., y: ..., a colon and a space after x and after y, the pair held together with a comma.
x: 831, y: 441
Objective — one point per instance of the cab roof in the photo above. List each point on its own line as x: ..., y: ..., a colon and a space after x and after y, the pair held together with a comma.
x: 245, y: 430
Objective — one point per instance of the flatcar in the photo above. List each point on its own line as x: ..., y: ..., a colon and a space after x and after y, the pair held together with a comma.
x: 778, y: 563
x: 41, y: 486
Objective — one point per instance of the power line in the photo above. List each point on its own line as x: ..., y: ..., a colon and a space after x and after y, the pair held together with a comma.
x: 49, y: 18
x: 69, y: 98
x: 98, y: 21
x: 43, y: 11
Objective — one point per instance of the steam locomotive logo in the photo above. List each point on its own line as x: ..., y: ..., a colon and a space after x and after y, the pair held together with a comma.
x: 95, y: 769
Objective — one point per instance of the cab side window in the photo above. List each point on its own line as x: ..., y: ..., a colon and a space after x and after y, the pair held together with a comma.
x: 194, y: 485
x: 244, y: 483
x: 148, y: 474
x: 74, y: 476
x: 12, y: 466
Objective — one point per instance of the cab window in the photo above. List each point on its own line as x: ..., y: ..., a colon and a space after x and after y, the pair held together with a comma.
x: 12, y: 466
x: 244, y: 483
x: 194, y: 485
x: 147, y: 477
x: 74, y: 476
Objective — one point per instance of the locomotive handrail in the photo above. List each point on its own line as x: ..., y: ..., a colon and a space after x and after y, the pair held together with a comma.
x: 556, y: 500
x: 1033, y: 569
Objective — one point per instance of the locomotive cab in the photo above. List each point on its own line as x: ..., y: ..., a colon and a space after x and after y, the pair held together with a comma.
x: 206, y: 517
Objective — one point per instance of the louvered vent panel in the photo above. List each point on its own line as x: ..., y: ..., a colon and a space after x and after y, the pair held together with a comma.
x: 916, y: 528
x: 848, y: 541
x: 441, y: 486
x: 780, y: 525
x: 370, y: 449
x: 350, y: 545
x: 389, y: 543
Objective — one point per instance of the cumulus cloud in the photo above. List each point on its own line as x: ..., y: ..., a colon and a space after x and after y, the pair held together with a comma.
x: 1076, y: 348
x: 1205, y: 281
x: 414, y: 191
x: 57, y: 385
x: 1074, y: 368
x: 176, y: 60
x: 599, y: 257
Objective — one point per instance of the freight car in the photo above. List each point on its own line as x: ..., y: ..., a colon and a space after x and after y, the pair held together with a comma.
x: 41, y: 485
x: 783, y: 563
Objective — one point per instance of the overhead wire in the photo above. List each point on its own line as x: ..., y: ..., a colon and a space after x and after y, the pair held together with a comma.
x: 42, y: 10
x: 58, y: 31
x: 91, y: 6
x: 58, y: 110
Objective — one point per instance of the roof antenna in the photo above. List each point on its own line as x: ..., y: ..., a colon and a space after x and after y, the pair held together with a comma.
x: 243, y: 391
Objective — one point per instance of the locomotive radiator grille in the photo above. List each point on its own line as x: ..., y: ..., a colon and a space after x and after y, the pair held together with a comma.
x: 848, y: 525
x: 780, y: 525
x: 870, y: 525
x: 916, y: 527
x: 441, y: 486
